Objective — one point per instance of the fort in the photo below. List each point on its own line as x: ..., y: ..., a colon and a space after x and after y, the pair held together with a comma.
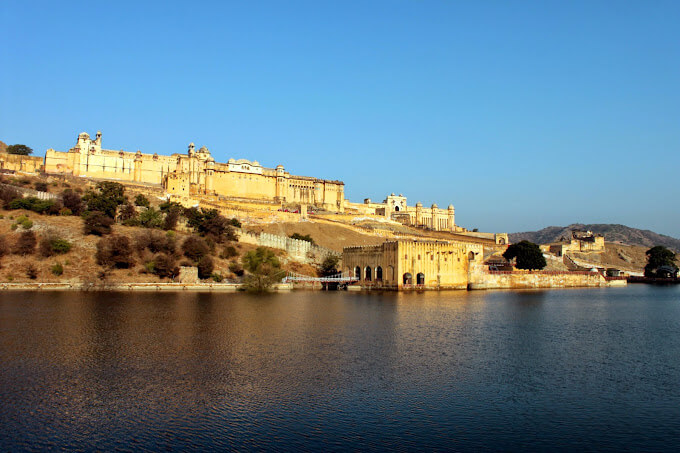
x: 197, y: 174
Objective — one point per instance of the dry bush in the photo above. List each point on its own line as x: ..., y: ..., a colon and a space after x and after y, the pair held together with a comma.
x: 195, y: 248
x: 25, y: 244
x: 155, y: 242
x: 115, y: 251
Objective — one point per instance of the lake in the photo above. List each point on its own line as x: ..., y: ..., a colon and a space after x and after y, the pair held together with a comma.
x: 508, y: 370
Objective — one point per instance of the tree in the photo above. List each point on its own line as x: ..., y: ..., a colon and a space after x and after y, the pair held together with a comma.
x: 527, y: 254
x: 105, y: 198
x: 26, y: 243
x: 21, y: 150
x: 657, y: 257
x: 301, y: 237
x: 141, y: 200
x: 264, y: 269
x: 329, y: 266
x: 195, y: 248
x: 115, y: 251
x: 72, y: 201
x: 96, y: 223
x: 205, y: 267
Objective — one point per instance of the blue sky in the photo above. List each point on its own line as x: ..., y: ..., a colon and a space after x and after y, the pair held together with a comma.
x: 522, y: 114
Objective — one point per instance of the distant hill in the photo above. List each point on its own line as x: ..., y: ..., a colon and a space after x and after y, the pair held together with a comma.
x: 611, y: 232
x: 3, y: 146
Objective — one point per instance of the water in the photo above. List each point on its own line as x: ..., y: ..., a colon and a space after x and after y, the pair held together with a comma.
x: 534, y: 370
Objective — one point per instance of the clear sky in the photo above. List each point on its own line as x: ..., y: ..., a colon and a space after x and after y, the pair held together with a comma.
x: 522, y: 114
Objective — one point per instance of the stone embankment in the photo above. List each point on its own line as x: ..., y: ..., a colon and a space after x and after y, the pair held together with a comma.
x: 170, y: 287
x: 540, y: 279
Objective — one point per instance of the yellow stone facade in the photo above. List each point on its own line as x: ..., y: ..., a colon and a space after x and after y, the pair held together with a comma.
x: 195, y: 172
x: 395, y: 207
x: 406, y: 264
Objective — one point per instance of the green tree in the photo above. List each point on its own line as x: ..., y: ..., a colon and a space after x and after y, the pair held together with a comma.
x: 329, y: 266
x: 264, y: 269
x: 527, y: 255
x: 105, y: 198
x: 141, y: 200
x: 22, y: 150
x: 656, y: 257
x: 301, y: 237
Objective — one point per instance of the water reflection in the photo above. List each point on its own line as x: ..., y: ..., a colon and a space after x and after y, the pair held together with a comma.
x: 339, y: 370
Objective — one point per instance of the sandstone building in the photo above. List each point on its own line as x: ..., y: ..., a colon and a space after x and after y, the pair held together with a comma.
x: 404, y: 264
x: 196, y: 174
x: 193, y: 173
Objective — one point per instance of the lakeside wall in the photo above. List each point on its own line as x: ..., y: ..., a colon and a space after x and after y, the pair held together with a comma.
x: 302, y: 251
x: 525, y: 280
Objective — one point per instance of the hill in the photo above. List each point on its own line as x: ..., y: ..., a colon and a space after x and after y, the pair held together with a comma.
x: 611, y: 232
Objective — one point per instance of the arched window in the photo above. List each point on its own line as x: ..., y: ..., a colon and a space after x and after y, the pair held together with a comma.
x: 501, y: 241
x: 378, y: 274
x: 408, y: 279
x: 420, y: 279
x: 471, y: 256
x: 367, y: 276
x: 357, y: 272
x: 396, y: 209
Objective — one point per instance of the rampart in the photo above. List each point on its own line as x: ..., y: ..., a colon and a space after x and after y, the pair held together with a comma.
x: 302, y: 251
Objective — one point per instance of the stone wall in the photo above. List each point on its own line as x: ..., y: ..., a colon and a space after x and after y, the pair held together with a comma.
x: 301, y: 251
x: 483, y: 279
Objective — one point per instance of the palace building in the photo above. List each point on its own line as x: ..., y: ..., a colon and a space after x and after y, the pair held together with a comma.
x: 404, y: 264
x: 194, y: 173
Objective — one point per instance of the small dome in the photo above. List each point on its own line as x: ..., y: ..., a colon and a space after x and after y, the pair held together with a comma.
x: 450, y: 207
x: 401, y: 194
x: 392, y: 194
x: 210, y: 159
x: 419, y: 205
x: 204, y: 150
x: 434, y: 205
x: 256, y: 162
x: 279, y: 166
x: 231, y: 161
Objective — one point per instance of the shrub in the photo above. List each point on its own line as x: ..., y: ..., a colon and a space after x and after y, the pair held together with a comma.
x: 97, y: 223
x: 31, y: 272
x: 24, y: 222
x: 105, y: 198
x: 128, y: 215
x: 329, y: 266
x: 155, y: 242
x: 65, y: 211
x: 26, y: 243
x: 141, y: 200
x: 7, y: 194
x: 171, y: 220
x: 4, y: 246
x: 40, y: 186
x: 72, y: 201
x: 237, y: 269
x: 57, y: 269
x: 54, y: 246
x: 32, y: 204
x: 165, y: 266
x: 151, y: 218
x: 229, y: 251
x: 205, y: 267
x: 235, y: 222
x: 301, y: 237
x: 210, y: 223
x: 217, y: 277
x: 115, y: 251
x: 195, y: 248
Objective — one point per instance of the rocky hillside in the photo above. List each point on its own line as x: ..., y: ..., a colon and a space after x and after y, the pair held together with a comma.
x: 611, y: 232
x: 3, y: 146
